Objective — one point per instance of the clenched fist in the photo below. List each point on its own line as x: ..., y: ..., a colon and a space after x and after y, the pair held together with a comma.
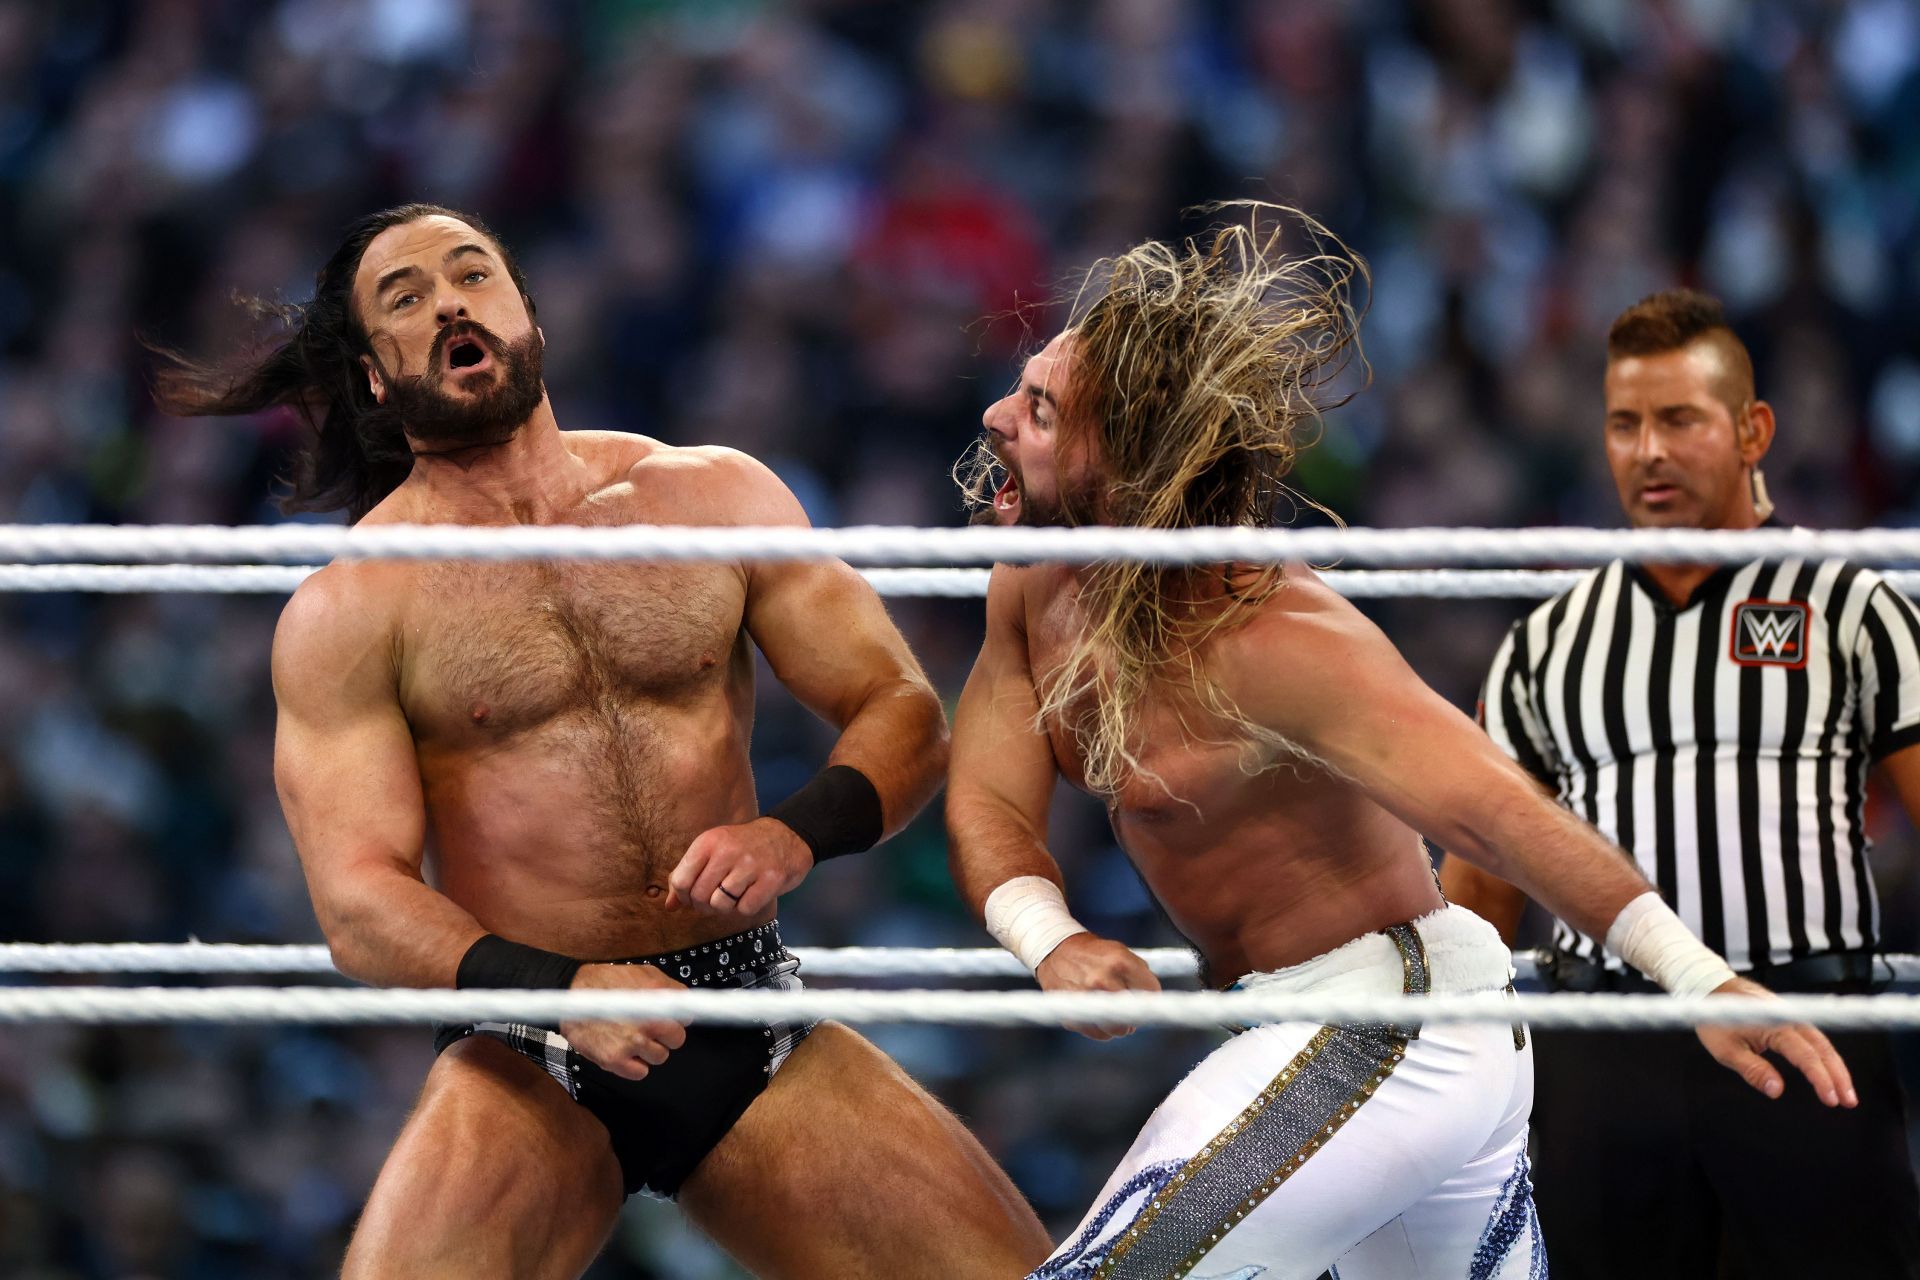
x: 628, y: 1049
x: 1086, y: 962
x: 739, y: 870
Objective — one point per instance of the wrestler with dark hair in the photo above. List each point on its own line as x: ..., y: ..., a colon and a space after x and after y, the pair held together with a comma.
x: 566, y: 745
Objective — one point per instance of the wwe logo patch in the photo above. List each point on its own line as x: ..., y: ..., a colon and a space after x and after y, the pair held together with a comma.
x: 1769, y: 634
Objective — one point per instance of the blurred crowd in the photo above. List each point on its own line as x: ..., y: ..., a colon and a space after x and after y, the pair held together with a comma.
x: 823, y: 232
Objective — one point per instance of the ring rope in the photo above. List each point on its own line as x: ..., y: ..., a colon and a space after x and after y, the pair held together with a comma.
x: 1367, y: 584
x: 1196, y: 1009
x: 816, y: 962
x: 891, y: 545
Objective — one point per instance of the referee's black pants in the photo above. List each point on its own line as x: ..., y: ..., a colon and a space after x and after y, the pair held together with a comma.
x: 1653, y: 1160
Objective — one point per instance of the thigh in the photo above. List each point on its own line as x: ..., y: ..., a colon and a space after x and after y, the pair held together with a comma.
x: 1807, y: 1189
x: 1420, y: 1175
x: 1289, y: 1145
x: 1613, y: 1144
x: 845, y: 1167
x: 1480, y: 1220
x: 497, y: 1173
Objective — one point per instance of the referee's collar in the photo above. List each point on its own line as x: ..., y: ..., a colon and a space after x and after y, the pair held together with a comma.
x: 1638, y: 572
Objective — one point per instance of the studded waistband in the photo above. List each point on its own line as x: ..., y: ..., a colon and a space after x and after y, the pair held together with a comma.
x: 739, y: 960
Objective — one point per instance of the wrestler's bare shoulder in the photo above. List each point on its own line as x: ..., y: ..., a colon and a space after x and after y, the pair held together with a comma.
x: 1022, y: 591
x: 1305, y: 633
x: 339, y: 625
x: 708, y: 485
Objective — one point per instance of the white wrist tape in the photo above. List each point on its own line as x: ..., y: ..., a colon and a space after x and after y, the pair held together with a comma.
x: 1650, y: 937
x: 1028, y: 916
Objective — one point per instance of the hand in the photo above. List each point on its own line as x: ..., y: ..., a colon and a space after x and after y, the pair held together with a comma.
x: 739, y: 870
x: 1739, y: 1050
x: 1085, y: 962
x: 628, y: 1049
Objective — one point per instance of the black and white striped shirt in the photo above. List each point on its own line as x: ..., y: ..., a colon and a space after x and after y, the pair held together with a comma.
x: 1725, y: 743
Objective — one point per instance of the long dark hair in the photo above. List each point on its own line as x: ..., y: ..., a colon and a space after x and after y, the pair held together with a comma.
x: 357, y: 454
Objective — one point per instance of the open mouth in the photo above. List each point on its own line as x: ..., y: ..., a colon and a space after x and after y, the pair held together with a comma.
x: 1007, y: 496
x: 465, y: 353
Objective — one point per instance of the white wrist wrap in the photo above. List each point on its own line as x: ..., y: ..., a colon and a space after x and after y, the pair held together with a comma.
x: 1028, y: 916
x: 1651, y: 938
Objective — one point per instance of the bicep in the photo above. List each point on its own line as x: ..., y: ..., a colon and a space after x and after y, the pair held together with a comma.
x: 344, y: 760
x: 826, y: 635
x: 1370, y: 718
x: 823, y: 629
x: 1000, y: 754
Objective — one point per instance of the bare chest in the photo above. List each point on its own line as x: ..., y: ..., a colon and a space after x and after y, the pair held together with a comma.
x: 1190, y: 760
x: 506, y: 648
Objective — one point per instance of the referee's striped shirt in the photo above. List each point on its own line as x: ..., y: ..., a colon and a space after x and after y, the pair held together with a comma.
x: 1724, y: 743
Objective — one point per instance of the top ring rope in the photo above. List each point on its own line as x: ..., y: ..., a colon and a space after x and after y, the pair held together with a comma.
x: 886, y: 545
x: 1358, y: 584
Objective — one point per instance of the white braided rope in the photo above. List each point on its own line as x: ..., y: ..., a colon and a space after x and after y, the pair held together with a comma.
x: 1361, y: 584
x: 298, y: 958
x: 278, y: 579
x: 816, y: 962
x: 1199, y: 1009
x: 888, y: 545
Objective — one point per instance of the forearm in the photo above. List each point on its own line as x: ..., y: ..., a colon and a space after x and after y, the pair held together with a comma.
x: 387, y: 928
x: 988, y: 844
x: 1551, y: 856
x: 898, y: 739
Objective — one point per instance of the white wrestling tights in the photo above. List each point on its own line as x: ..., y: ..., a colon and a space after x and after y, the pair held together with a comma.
x: 1295, y: 1149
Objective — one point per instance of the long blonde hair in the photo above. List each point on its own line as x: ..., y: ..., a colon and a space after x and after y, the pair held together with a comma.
x: 1198, y: 375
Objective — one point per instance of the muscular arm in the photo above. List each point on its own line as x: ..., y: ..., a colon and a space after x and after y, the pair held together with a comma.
x: 828, y: 638
x: 1003, y: 770
x: 1367, y: 715
x: 345, y: 769
x: 997, y: 805
x: 830, y: 642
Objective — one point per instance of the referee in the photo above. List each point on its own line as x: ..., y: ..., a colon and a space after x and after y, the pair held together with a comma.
x: 1719, y: 724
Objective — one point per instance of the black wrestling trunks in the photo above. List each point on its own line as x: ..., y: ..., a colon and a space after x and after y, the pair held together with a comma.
x: 663, y: 1126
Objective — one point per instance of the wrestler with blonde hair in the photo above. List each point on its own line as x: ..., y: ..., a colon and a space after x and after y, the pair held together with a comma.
x: 1269, y: 763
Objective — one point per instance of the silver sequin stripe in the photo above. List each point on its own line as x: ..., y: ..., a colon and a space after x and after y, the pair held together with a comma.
x: 1418, y: 979
x: 1318, y: 1092
x: 1243, y: 1167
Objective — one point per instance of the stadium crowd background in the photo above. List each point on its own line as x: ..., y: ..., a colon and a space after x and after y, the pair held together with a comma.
x: 779, y: 228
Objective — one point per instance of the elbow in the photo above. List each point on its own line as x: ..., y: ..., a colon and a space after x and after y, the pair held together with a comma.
x: 351, y: 961
x: 939, y: 749
x: 932, y: 715
x: 931, y: 738
x: 348, y: 928
x: 349, y: 956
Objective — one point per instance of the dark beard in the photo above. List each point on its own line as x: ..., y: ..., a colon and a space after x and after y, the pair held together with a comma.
x: 1041, y: 515
x: 489, y: 416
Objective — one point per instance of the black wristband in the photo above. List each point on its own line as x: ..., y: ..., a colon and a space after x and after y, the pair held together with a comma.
x: 495, y: 964
x: 838, y: 812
